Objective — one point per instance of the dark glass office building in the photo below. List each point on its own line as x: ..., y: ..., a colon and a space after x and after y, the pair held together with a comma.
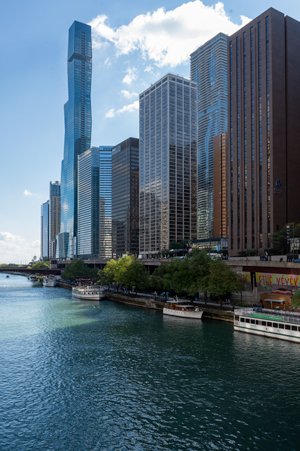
x: 209, y: 70
x: 54, y: 216
x: 168, y: 164
x: 94, y: 239
x: 125, y: 197
x: 78, y: 125
x: 45, y: 231
x: 264, y: 132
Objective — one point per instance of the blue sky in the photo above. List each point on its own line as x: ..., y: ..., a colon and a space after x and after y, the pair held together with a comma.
x: 135, y: 43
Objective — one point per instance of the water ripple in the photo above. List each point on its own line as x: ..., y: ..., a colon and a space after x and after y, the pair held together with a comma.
x: 118, y: 378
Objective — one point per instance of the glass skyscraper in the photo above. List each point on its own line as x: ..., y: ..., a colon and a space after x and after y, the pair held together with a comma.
x: 45, y: 231
x: 125, y: 197
x: 54, y: 216
x: 209, y: 70
x: 78, y: 125
x: 94, y: 203
x: 168, y: 164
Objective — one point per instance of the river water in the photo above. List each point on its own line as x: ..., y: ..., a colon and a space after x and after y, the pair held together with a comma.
x: 76, y: 377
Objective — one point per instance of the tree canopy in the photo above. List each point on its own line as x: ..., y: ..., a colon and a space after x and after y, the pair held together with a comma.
x: 78, y: 269
x: 125, y: 271
x: 41, y: 265
x: 197, y: 272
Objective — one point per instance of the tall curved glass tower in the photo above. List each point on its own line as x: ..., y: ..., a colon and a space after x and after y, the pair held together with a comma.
x: 78, y: 127
x: 209, y: 70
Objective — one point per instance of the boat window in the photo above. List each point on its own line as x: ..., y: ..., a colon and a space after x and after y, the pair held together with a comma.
x: 242, y: 320
x: 294, y: 327
x: 269, y: 324
x: 253, y: 321
x: 281, y: 326
x: 287, y: 326
x: 275, y: 325
x: 298, y: 328
x: 258, y: 322
x: 263, y: 323
x: 247, y: 320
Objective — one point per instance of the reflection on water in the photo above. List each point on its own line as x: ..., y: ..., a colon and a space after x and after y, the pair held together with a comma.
x: 73, y: 377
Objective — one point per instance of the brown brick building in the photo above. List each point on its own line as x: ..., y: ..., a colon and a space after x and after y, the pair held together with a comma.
x: 220, y: 186
x: 263, y: 130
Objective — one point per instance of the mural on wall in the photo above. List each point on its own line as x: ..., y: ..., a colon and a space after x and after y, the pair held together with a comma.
x: 267, y: 281
x: 272, y: 281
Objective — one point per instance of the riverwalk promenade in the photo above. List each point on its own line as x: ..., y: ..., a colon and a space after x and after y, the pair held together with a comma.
x: 211, y: 310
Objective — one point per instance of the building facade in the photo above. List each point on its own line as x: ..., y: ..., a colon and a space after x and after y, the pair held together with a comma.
x: 45, y: 231
x: 220, y: 187
x: 94, y: 203
x: 125, y: 197
x: 54, y: 216
x: 168, y: 164
x: 264, y: 133
x: 78, y: 125
x: 209, y: 70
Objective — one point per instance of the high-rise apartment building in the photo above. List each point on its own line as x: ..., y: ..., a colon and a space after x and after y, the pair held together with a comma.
x: 264, y: 132
x: 168, y: 164
x: 125, y: 197
x: 54, y: 216
x: 94, y: 203
x: 45, y: 231
x: 209, y: 70
x: 78, y: 125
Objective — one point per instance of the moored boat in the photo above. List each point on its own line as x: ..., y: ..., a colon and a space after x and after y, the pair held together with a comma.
x: 33, y: 278
x: 268, y: 323
x: 49, y: 282
x: 182, y: 309
x: 88, y: 293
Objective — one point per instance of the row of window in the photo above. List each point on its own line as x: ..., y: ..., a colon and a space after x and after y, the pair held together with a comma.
x: 270, y: 324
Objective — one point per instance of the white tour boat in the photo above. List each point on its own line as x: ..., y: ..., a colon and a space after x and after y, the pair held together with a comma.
x: 89, y: 293
x: 33, y: 278
x: 182, y: 310
x: 49, y: 282
x: 268, y: 323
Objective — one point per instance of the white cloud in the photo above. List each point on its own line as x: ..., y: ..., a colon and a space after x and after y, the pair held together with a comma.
x: 125, y: 109
x: 130, y: 76
x: 27, y: 193
x: 107, y: 63
x: 166, y: 37
x: 110, y: 113
x: 15, y: 249
x: 129, y: 95
x: 148, y: 69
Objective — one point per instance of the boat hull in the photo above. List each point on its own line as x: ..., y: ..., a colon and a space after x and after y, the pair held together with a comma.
x: 49, y: 283
x: 183, y: 313
x: 89, y: 297
x: 272, y: 328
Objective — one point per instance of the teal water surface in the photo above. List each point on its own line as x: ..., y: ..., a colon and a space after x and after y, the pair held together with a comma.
x: 76, y: 377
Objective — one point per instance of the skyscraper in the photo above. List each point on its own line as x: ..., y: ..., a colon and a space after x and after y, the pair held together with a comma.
x: 209, y: 70
x: 168, y: 160
x: 94, y: 203
x: 45, y: 231
x: 125, y: 197
x: 54, y: 216
x: 264, y: 132
x: 78, y: 125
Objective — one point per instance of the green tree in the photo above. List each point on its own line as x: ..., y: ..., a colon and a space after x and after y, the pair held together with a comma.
x: 107, y: 275
x: 186, y: 274
x: 78, y: 269
x: 222, y: 280
x: 125, y: 271
x: 41, y: 265
x: 296, y: 299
